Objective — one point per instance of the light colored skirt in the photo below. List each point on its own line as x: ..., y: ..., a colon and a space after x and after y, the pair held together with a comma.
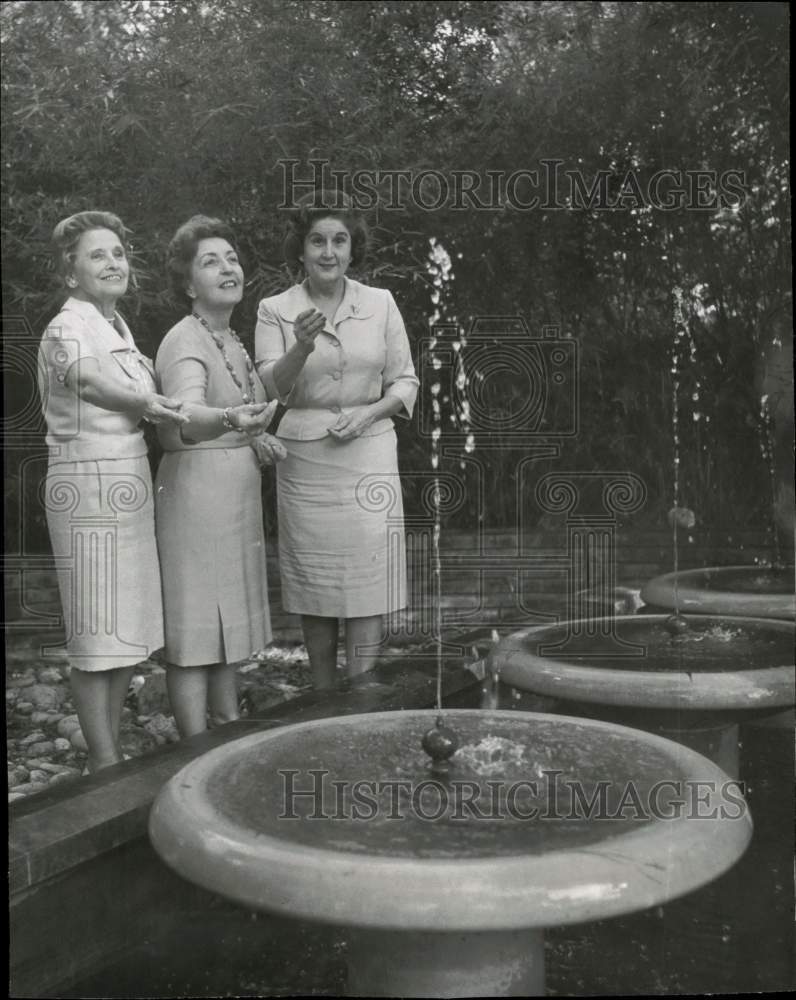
x: 209, y: 519
x: 342, y: 552
x: 101, y: 521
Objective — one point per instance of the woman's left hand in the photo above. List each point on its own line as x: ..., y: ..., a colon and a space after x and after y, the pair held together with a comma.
x: 268, y: 449
x: 353, y: 424
x: 252, y: 418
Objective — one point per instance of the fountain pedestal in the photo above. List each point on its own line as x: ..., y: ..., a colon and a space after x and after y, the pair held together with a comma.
x: 445, y: 886
x: 431, y: 964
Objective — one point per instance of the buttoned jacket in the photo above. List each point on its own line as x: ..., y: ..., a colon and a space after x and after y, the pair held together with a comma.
x: 359, y: 358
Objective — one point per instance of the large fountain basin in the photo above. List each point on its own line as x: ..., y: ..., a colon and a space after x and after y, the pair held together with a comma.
x: 221, y: 823
x: 719, y: 663
x: 752, y: 591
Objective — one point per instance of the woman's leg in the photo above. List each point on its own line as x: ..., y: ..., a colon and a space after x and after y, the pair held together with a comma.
x: 362, y: 640
x: 187, y: 687
x: 91, y: 692
x: 119, y: 686
x: 222, y: 693
x: 320, y: 638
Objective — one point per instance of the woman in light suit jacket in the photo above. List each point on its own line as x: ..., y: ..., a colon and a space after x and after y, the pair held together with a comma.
x: 96, y: 388
x: 336, y: 354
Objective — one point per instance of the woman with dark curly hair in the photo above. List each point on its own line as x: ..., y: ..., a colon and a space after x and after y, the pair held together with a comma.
x: 96, y: 388
x: 335, y: 353
x: 208, y: 504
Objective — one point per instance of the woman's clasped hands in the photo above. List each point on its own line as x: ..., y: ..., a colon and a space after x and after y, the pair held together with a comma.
x: 268, y: 449
x: 159, y: 409
x: 353, y: 423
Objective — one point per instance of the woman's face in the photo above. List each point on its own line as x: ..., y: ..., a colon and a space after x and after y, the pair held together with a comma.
x: 100, y: 271
x: 327, y: 251
x: 216, y: 278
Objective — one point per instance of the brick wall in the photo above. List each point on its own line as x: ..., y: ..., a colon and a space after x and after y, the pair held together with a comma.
x: 494, y: 577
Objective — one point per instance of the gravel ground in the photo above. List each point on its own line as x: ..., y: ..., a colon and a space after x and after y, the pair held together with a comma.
x: 44, y: 741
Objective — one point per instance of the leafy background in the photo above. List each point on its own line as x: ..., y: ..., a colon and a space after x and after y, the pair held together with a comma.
x: 157, y: 110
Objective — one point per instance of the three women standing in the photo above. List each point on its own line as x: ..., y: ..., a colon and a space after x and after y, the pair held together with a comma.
x: 96, y: 388
x: 334, y: 351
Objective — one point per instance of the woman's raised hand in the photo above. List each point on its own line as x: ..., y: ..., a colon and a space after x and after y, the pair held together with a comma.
x: 162, y: 410
x: 306, y: 328
x: 253, y: 418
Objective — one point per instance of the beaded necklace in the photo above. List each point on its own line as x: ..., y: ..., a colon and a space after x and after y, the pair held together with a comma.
x: 248, y: 397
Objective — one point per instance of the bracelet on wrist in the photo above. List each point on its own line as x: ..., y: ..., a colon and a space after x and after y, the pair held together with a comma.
x: 226, y: 420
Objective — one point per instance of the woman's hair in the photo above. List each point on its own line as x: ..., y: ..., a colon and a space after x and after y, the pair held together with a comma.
x: 67, y: 233
x: 183, y: 246
x: 324, y: 205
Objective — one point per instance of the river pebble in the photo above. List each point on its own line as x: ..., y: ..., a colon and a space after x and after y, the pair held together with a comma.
x: 50, y: 675
x: 71, y: 775
x: 17, y: 775
x: 163, y: 728
x: 22, y: 680
x: 46, y: 697
x: 46, y: 718
x: 67, y: 726
x: 35, y: 737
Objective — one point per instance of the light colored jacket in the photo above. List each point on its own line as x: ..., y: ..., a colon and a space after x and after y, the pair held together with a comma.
x: 361, y: 357
x: 79, y: 431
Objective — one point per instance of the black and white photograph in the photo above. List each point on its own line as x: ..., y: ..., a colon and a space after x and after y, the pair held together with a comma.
x: 399, y: 498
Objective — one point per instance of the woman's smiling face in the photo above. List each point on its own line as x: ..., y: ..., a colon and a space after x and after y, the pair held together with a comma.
x: 100, y: 271
x: 327, y: 251
x: 216, y: 278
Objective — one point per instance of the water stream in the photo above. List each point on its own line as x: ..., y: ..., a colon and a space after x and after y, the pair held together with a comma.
x: 679, y: 335
x: 439, y: 267
x: 766, y: 439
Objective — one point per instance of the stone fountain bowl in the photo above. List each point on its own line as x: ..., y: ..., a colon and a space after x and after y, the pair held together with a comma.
x: 223, y: 823
x: 719, y: 663
x: 751, y: 591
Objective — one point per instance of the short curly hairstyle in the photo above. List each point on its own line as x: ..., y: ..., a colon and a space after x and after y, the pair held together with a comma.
x: 324, y: 205
x: 67, y: 233
x: 183, y: 246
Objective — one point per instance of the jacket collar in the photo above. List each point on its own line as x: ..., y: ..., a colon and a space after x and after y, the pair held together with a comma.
x: 297, y: 299
x: 97, y: 321
x: 120, y: 350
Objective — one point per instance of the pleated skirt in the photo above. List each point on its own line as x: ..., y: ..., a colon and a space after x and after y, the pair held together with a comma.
x: 209, y: 520
x: 100, y: 517
x: 342, y: 551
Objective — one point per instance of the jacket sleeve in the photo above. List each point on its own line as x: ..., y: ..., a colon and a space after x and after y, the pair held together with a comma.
x: 66, y: 341
x: 399, y: 379
x: 182, y: 375
x: 269, y: 346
